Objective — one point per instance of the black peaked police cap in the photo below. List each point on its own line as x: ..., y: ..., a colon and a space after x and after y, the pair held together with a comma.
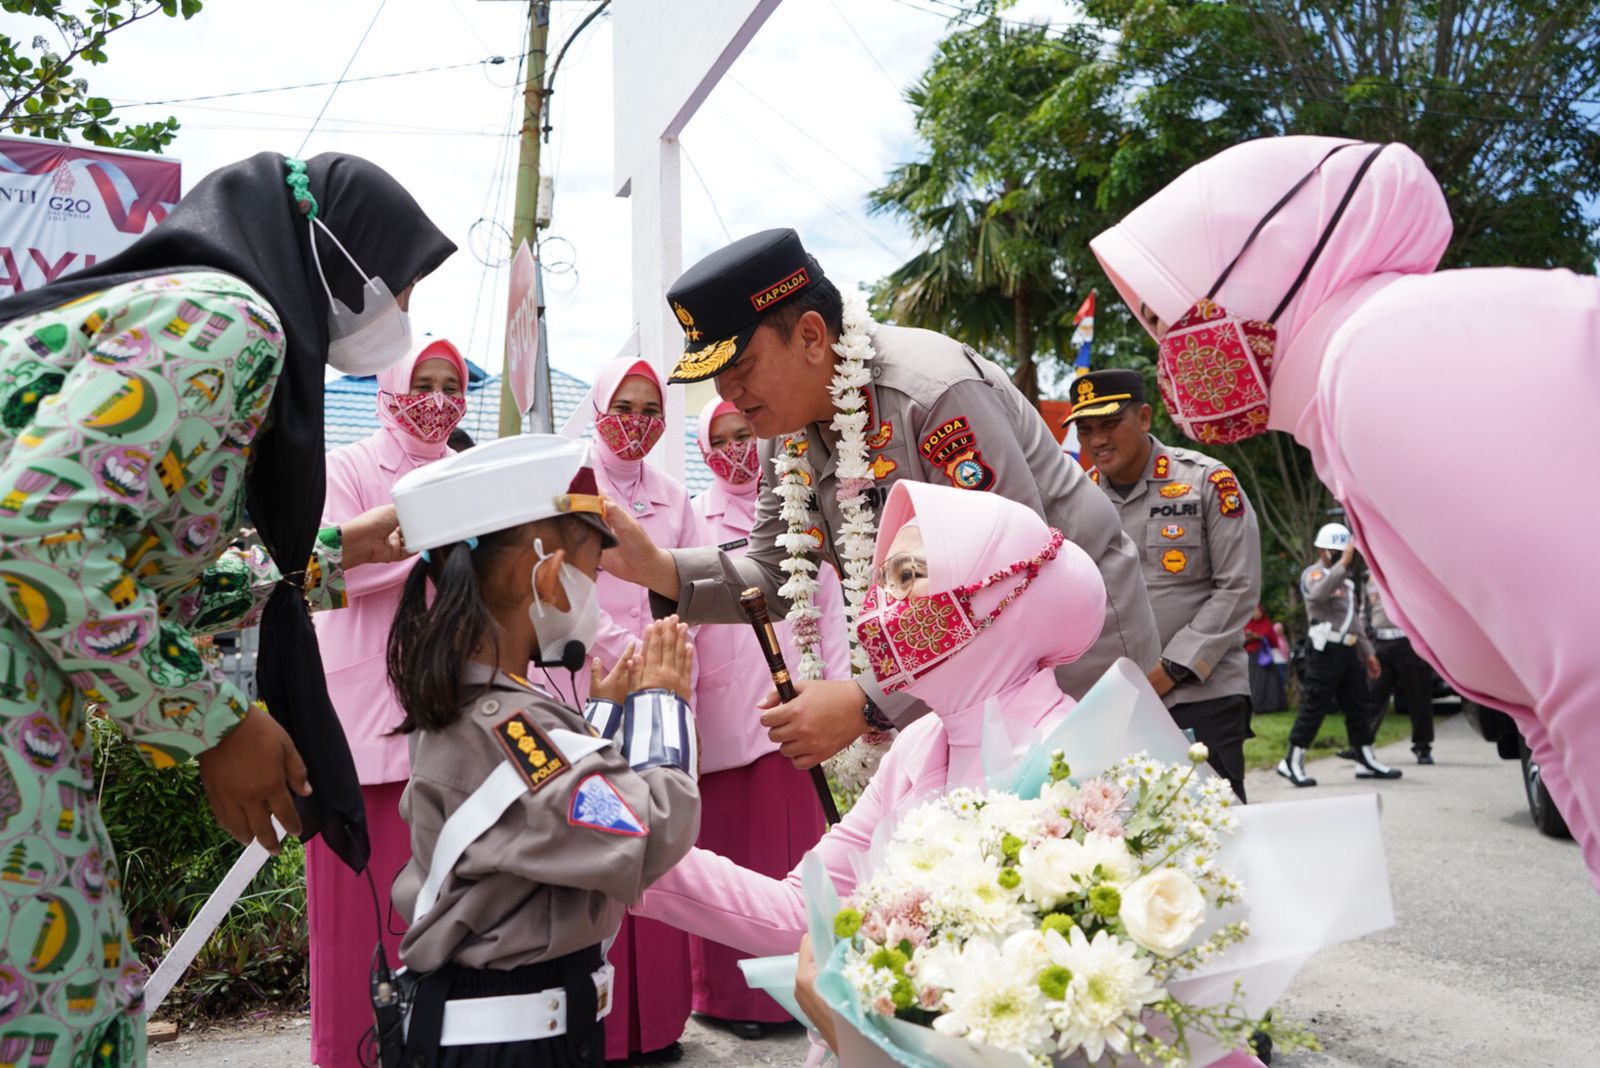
x: 721, y: 300
x: 1104, y: 393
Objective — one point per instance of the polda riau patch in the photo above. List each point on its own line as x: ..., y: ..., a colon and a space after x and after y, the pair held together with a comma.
x: 597, y: 805
x: 530, y: 750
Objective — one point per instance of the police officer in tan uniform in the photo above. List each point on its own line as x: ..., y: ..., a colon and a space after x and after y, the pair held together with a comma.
x: 1403, y: 674
x: 533, y: 825
x: 1202, y: 559
x: 761, y: 318
x: 1340, y: 662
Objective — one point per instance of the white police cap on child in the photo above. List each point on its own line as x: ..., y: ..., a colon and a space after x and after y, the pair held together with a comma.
x: 498, y: 484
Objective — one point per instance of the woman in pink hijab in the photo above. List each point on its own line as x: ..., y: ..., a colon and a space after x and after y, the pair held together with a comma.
x: 1390, y: 374
x: 756, y: 808
x: 652, y: 985
x: 420, y: 400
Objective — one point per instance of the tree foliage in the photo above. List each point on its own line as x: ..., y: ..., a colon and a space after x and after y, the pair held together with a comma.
x: 44, y: 97
x: 1036, y: 137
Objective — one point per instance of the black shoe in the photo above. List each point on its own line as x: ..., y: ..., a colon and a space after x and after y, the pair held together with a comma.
x: 1424, y: 756
x: 749, y: 1030
x: 1347, y: 754
x: 1261, y: 1045
x: 1373, y: 768
x: 664, y: 1055
x: 1293, y: 767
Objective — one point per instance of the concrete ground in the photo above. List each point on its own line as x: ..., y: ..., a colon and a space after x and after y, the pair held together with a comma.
x: 1492, y: 960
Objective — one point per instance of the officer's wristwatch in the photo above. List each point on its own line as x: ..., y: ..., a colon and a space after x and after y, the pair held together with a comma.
x: 876, y: 720
x: 1177, y: 672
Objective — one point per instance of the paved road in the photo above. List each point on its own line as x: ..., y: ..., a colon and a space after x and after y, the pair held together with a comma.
x: 1492, y: 961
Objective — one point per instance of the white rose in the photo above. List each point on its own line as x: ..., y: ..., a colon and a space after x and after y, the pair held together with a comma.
x: 1049, y: 870
x: 1111, y: 854
x: 1161, y: 910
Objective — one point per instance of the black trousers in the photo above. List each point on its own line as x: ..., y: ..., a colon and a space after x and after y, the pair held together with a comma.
x: 1223, y: 724
x: 582, y: 1046
x: 1335, y: 681
x: 1405, y: 677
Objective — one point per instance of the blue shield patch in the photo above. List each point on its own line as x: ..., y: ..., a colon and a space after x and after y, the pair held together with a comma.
x: 597, y: 805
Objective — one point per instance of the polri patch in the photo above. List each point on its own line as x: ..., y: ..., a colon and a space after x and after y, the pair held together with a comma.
x: 1232, y: 503
x: 1172, y: 532
x: 597, y: 805
x: 968, y: 471
x: 530, y: 751
x: 1174, y: 560
x: 1177, y: 489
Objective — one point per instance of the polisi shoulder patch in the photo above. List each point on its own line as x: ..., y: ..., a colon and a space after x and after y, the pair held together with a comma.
x: 530, y: 751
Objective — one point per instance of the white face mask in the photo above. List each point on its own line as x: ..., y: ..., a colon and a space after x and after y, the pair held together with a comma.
x: 371, y: 340
x: 557, y: 630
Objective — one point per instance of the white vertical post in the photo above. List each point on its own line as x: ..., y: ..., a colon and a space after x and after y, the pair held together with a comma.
x: 657, y: 262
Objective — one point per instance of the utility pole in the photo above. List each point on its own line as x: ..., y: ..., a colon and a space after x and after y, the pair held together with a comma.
x: 523, y: 226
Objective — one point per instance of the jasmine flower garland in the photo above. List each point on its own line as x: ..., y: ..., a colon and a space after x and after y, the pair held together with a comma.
x: 853, y: 767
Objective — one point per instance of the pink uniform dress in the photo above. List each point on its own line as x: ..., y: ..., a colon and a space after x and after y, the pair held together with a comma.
x: 651, y: 959
x: 353, y: 643
x: 967, y: 537
x: 756, y: 808
x: 1396, y: 379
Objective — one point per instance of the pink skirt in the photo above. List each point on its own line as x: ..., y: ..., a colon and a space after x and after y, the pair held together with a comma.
x: 343, y: 929
x: 763, y: 816
x: 650, y: 995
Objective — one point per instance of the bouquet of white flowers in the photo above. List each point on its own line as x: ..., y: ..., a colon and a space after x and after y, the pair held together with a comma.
x: 1099, y: 912
x: 1053, y: 926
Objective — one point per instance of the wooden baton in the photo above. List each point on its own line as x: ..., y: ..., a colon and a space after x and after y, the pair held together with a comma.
x: 754, y: 603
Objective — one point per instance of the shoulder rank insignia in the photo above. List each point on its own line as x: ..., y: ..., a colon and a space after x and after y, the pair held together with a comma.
x: 1174, y: 560
x: 1176, y: 489
x: 597, y: 806
x: 530, y: 750
x: 1163, y: 466
x: 1094, y: 476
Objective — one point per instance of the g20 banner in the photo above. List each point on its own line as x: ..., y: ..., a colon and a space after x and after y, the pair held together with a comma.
x: 63, y: 207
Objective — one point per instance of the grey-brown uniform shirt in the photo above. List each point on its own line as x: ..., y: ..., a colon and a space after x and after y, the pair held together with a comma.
x: 1202, y: 563
x: 1330, y: 598
x: 1380, y: 625
x: 939, y: 413
x: 541, y: 882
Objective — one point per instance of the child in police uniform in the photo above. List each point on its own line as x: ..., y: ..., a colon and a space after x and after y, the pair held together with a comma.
x: 531, y: 830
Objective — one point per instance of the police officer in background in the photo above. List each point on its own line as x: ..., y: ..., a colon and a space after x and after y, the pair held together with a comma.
x: 1339, y: 651
x: 1201, y: 550
x: 760, y: 317
x: 1404, y: 675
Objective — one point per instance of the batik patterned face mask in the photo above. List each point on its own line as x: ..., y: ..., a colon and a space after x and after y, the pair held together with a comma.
x: 630, y: 435
x: 906, y: 639
x: 427, y: 417
x: 736, y: 463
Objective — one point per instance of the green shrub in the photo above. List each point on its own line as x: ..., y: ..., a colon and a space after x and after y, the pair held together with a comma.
x: 171, y: 855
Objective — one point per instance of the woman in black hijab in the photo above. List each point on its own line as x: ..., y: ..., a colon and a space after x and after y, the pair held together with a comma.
x: 144, y: 402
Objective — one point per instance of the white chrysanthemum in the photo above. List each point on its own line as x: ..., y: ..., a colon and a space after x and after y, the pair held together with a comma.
x: 1118, y: 866
x: 974, y: 901
x: 1110, y: 987
x: 997, y: 1001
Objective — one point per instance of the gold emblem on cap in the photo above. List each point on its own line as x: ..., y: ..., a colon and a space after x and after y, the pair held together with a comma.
x: 1085, y: 391
x: 706, y: 361
x: 689, y: 330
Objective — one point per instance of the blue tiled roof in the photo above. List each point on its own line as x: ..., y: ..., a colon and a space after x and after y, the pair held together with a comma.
x: 350, y: 413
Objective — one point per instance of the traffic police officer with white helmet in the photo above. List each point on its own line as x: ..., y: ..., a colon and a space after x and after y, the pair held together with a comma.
x: 1339, y: 662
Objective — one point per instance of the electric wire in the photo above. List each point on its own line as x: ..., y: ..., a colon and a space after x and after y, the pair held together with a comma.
x: 706, y: 189
x: 340, y: 81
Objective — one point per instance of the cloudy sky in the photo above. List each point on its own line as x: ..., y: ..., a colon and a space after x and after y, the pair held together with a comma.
x: 809, y: 118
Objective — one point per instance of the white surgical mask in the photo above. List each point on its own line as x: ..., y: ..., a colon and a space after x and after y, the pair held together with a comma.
x: 556, y: 630
x: 371, y: 340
